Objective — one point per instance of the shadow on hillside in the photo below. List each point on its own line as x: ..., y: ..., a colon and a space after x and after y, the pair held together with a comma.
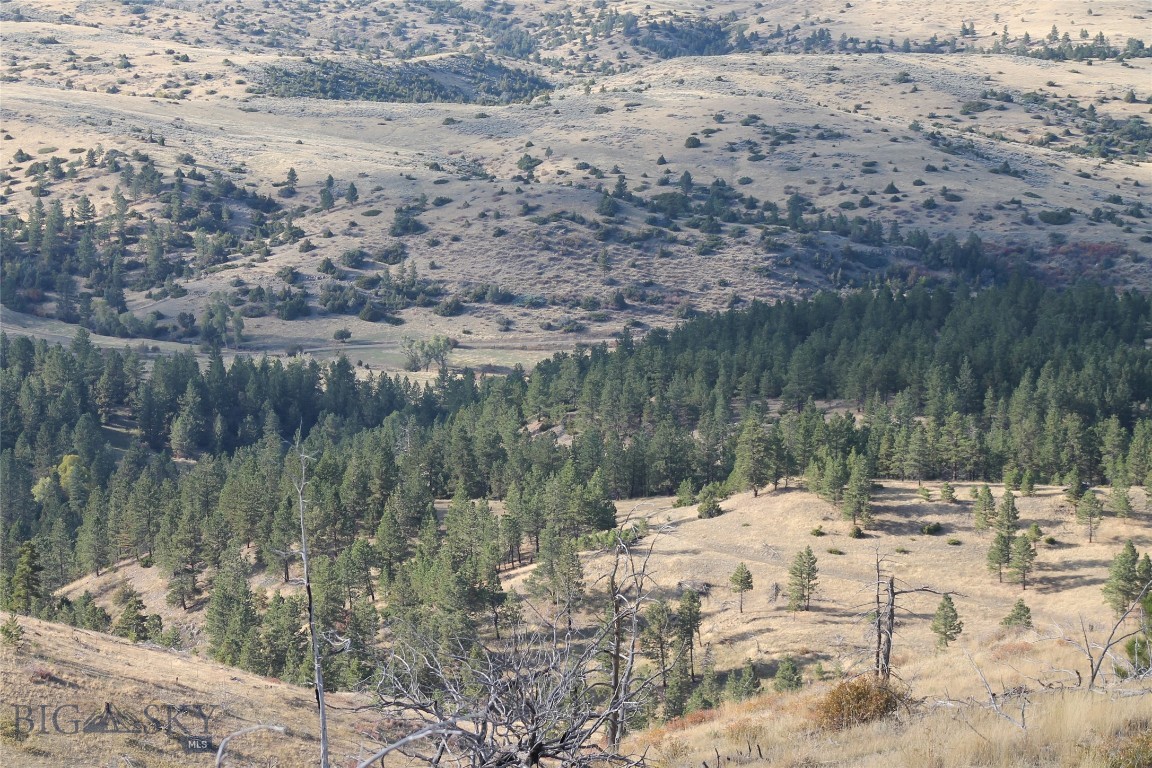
x: 1075, y: 565
x: 1048, y: 584
x: 1068, y: 574
x: 687, y: 551
x: 748, y: 634
x: 895, y: 527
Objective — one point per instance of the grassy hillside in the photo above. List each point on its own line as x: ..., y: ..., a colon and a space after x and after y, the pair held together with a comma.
x: 151, y: 692
x: 948, y: 722
x: 1041, y: 159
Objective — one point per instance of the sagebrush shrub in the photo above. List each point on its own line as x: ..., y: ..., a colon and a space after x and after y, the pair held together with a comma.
x: 860, y: 700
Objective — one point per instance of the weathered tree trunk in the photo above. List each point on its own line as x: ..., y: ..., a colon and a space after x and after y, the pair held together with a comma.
x: 885, y: 625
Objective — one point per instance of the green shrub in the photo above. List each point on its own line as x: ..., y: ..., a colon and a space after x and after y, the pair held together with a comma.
x: 931, y: 529
x: 691, y: 142
x: 1019, y: 616
x: 709, y: 508
x: 1131, y: 747
x: 11, y: 633
x: 449, y: 307
x: 1063, y: 216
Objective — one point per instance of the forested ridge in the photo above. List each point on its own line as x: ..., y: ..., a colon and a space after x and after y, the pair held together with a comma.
x: 1019, y: 382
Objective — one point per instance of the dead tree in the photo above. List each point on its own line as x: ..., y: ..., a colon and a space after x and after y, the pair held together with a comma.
x: 300, y: 484
x: 1097, y: 652
x: 885, y: 616
x: 543, y: 694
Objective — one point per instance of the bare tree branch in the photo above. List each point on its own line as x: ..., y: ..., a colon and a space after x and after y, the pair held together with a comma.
x: 224, y: 741
x: 541, y: 694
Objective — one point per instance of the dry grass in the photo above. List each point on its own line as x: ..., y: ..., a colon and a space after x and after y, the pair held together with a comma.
x: 1064, y: 730
x: 948, y: 726
x: 60, y: 666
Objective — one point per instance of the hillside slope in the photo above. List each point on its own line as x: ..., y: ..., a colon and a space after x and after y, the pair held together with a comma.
x: 62, y: 682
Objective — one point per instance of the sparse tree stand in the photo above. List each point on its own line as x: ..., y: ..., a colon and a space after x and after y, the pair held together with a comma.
x: 946, y: 622
x: 802, y: 580
x: 741, y: 582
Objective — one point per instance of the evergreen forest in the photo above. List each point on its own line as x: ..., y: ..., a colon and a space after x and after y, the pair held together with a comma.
x: 196, y: 469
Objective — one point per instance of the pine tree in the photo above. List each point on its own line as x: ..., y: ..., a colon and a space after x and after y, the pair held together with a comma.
x: 741, y: 580
x: 657, y: 635
x: 1073, y: 492
x: 132, y: 624
x: 1123, y: 585
x: 1020, y: 616
x: 707, y: 693
x: 351, y: 195
x: 11, y: 633
x: 688, y: 618
x: 1119, y: 502
x: 1027, y: 484
x: 946, y: 622
x: 857, y: 495
x: 1021, y: 560
x: 1089, y: 512
x: 982, y: 509
x: 742, y: 683
x: 999, y: 553
x: 802, y: 580
x: 1007, y: 518
x: 679, y: 684
x: 559, y: 575
x: 231, y: 613
x: 834, y: 477
x: 181, y: 589
x: 25, y: 589
x: 787, y: 677
x: 92, y: 550
x: 751, y: 470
